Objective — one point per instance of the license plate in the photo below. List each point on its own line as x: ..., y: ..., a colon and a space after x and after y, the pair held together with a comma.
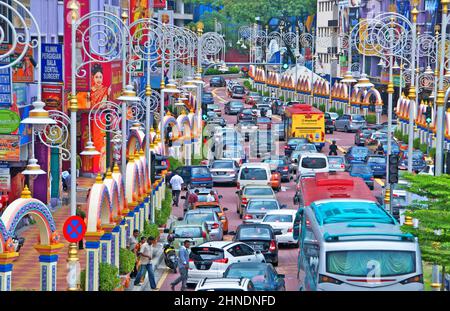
x: 202, y: 267
x: 220, y: 173
x: 257, y: 247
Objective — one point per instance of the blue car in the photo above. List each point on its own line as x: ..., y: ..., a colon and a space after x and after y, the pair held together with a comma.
x: 195, y: 176
x: 263, y: 275
x: 357, y: 155
x: 363, y: 171
x: 377, y: 164
x: 418, y: 161
x: 395, y: 148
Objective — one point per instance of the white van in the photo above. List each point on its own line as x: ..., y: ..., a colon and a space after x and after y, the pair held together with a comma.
x: 254, y: 174
x: 312, y: 163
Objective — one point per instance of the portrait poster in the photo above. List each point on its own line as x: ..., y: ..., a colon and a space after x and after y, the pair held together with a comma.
x: 22, y: 71
x: 138, y: 10
x: 93, y: 164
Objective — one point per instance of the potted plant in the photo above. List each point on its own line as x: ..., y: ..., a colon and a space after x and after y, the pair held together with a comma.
x: 127, y: 259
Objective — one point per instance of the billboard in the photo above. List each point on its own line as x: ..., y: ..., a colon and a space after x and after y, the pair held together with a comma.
x: 83, y: 82
x: 9, y: 148
x: 52, y: 96
x: 22, y: 71
x: 52, y: 63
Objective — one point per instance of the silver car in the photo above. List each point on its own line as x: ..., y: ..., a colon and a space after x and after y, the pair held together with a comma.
x: 337, y: 163
x: 224, y: 171
x: 350, y: 122
x: 298, y: 151
x: 211, y: 219
x: 257, y: 208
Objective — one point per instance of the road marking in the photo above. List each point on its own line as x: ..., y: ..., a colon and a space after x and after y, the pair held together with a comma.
x: 379, y: 181
x: 276, y: 117
x: 162, y: 279
x: 218, y: 96
x: 339, y: 147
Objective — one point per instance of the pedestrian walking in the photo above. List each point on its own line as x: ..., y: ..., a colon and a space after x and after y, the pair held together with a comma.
x: 183, y: 266
x: 132, y: 240
x: 146, y: 256
x: 137, y: 252
x: 333, y: 148
x: 176, y: 182
x: 78, y: 165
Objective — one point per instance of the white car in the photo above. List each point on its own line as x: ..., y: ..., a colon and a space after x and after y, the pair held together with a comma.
x: 282, y: 222
x: 211, y: 259
x: 427, y: 170
x: 225, y: 284
x: 254, y: 174
x: 312, y: 163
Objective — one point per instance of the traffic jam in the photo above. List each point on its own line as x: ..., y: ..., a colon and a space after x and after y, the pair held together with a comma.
x: 290, y: 198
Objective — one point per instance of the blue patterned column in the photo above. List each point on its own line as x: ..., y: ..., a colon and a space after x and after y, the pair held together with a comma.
x: 123, y: 234
x: 141, y: 216
x: 115, y: 241
x: 92, y: 260
x: 146, y: 208
x: 105, y: 246
x: 48, y: 262
x: 6, y: 266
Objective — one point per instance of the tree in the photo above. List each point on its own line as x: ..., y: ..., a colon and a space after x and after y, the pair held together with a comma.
x: 433, y: 214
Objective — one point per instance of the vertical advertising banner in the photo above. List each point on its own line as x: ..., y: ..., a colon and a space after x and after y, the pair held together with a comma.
x: 138, y: 10
x: 52, y: 63
x: 82, y: 83
x: 116, y: 80
x: 5, y: 87
x: 52, y: 96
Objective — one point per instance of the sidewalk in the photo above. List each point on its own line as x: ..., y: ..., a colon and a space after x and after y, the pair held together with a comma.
x: 26, y: 269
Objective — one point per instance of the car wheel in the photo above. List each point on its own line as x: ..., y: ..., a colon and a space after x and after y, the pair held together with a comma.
x: 331, y: 132
x: 275, y: 264
x: 297, y: 245
x: 346, y: 129
x: 240, y: 216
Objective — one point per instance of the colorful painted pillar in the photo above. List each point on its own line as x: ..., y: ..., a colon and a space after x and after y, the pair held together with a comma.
x: 6, y: 266
x: 188, y: 150
x: 115, y: 245
x: 92, y: 260
x: 147, y: 207
x: 106, y: 244
x: 130, y: 219
x: 123, y: 233
x: 48, y: 261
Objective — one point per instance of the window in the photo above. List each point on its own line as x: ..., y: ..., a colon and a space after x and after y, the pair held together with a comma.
x: 363, y: 263
x: 314, y: 163
x: 222, y: 164
x: 241, y: 250
x: 262, y: 205
x: 188, y: 232
x: 200, y: 171
x: 278, y: 218
x: 253, y: 173
x: 258, y: 191
x: 311, y: 251
x: 250, y: 233
x: 206, y: 253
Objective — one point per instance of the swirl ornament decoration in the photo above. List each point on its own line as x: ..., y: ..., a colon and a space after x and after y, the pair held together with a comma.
x: 211, y: 44
x: 155, y: 99
x: 107, y: 117
x: 102, y: 41
x: 56, y: 135
x: 425, y: 82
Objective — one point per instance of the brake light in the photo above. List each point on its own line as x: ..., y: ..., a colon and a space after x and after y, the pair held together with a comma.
x: 361, y: 135
x: 223, y: 260
x: 272, y: 246
x: 290, y: 230
x: 342, y: 165
x: 414, y: 279
x: 248, y: 216
x: 204, y: 234
x: 286, y: 168
x: 215, y: 225
x: 191, y: 260
x: 244, y: 201
x: 286, y: 146
x: 327, y: 279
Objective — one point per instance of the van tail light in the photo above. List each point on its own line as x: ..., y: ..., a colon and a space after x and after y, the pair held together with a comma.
x: 327, y: 279
x: 223, y: 260
x: 414, y: 279
x: 204, y: 234
x: 238, y: 185
x: 286, y: 168
x: 244, y: 201
x: 191, y: 260
x: 248, y: 216
x: 215, y: 225
x: 286, y: 146
x: 273, y: 246
x: 342, y: 165
x: 290, y: 230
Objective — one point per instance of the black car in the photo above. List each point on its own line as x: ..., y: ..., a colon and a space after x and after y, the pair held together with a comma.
x: 194, y: 176
x: 292, y: 143
x: 217, y: 81
x: 218, y: 121
x: 245, y: 114
x: 329, y: 125
x: 279, y: 164
x: 263, y: 275
x: 233, y: 107
x: 279, y: 131
x: 260, y: 237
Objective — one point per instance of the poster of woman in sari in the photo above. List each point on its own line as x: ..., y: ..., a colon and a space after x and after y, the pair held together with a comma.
x: 138, y: 9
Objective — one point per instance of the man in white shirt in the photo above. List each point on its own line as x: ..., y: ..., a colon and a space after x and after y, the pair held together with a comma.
x: 146, y: 255
x: 176, y: 182
x: 211, y: 197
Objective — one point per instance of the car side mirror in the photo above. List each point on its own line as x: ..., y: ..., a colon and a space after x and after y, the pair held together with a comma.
x: 180, y: 218
x: 225, y: 209
x: 166, y: 230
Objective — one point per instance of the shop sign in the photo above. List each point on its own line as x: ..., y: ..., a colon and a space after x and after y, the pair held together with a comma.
x: 9, y: 121
x: 52, y: 64
x: 5, y: 180
x: 9, y: 148
x: 5, y: 87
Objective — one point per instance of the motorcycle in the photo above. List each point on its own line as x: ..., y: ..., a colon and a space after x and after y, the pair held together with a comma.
x: 170, y: 257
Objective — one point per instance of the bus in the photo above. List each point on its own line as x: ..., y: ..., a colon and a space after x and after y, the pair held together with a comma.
x: 354, y: 244
x: 303, y: 120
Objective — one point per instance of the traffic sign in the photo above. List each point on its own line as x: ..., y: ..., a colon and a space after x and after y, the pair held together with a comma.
x: 74, y: 229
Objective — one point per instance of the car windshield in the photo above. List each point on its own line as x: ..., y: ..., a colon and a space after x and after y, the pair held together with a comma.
x: 376, y: 160
x: 255, y: 273
x: 206, y: 253
x: 246, y: 111
x: 187, y: 232
x: 278, y: 218
x: 274, y: 161
x: 355, y: 262
x: 258, y: 191
x: 207, y: 96
x: 306, y: 147
x: 335, y: 160
x: 222, y: 164
x: 357, y: 117
x: 215, y: 209
x: 251, y: 233
x: 200, y: 171
x: 253, y: 94
x: 262, y: 205
x: 238, y: 90
x: 253, y: 173
x: 314, y: 163
x: 360, y: 151
x: 199, y: 217
x: 263, y: 120
x: 416, y: 155
x: 361, y: 169
x: 236, y: 104
x: 296, y: 141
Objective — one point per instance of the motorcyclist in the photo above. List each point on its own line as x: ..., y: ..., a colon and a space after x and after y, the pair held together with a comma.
x: 333, y: 148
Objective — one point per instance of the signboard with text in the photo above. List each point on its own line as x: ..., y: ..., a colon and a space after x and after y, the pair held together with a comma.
x: 5, y: 87
x: 52, y: 63
x: 52, y: 96
x: 9, y: 148
x: 5, y: 180
x: 9, y: 121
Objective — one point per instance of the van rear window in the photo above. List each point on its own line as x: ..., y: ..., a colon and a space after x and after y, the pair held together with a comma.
x: 253, y: 173
x: 206, y: 253
x: 314, y: 163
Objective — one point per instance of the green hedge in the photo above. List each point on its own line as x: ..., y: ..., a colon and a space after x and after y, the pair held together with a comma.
x: 332, y: 109
x: 371, y: 119
x: 150, y: 230
x: 398, y: 134
x: 432, y: 152
x: 282, y: 98
x: 340, y: 111
x: 266, y: 93
x: 405, y: 138
x: 127, y: 259
x: 416, y: 143
x: 214, y: 71
x: 108, y: 278
x: 322, y: 107
x: 162, y: 215
x: 423, y: 148
x: 247, y: 84
x: 174, y: 163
